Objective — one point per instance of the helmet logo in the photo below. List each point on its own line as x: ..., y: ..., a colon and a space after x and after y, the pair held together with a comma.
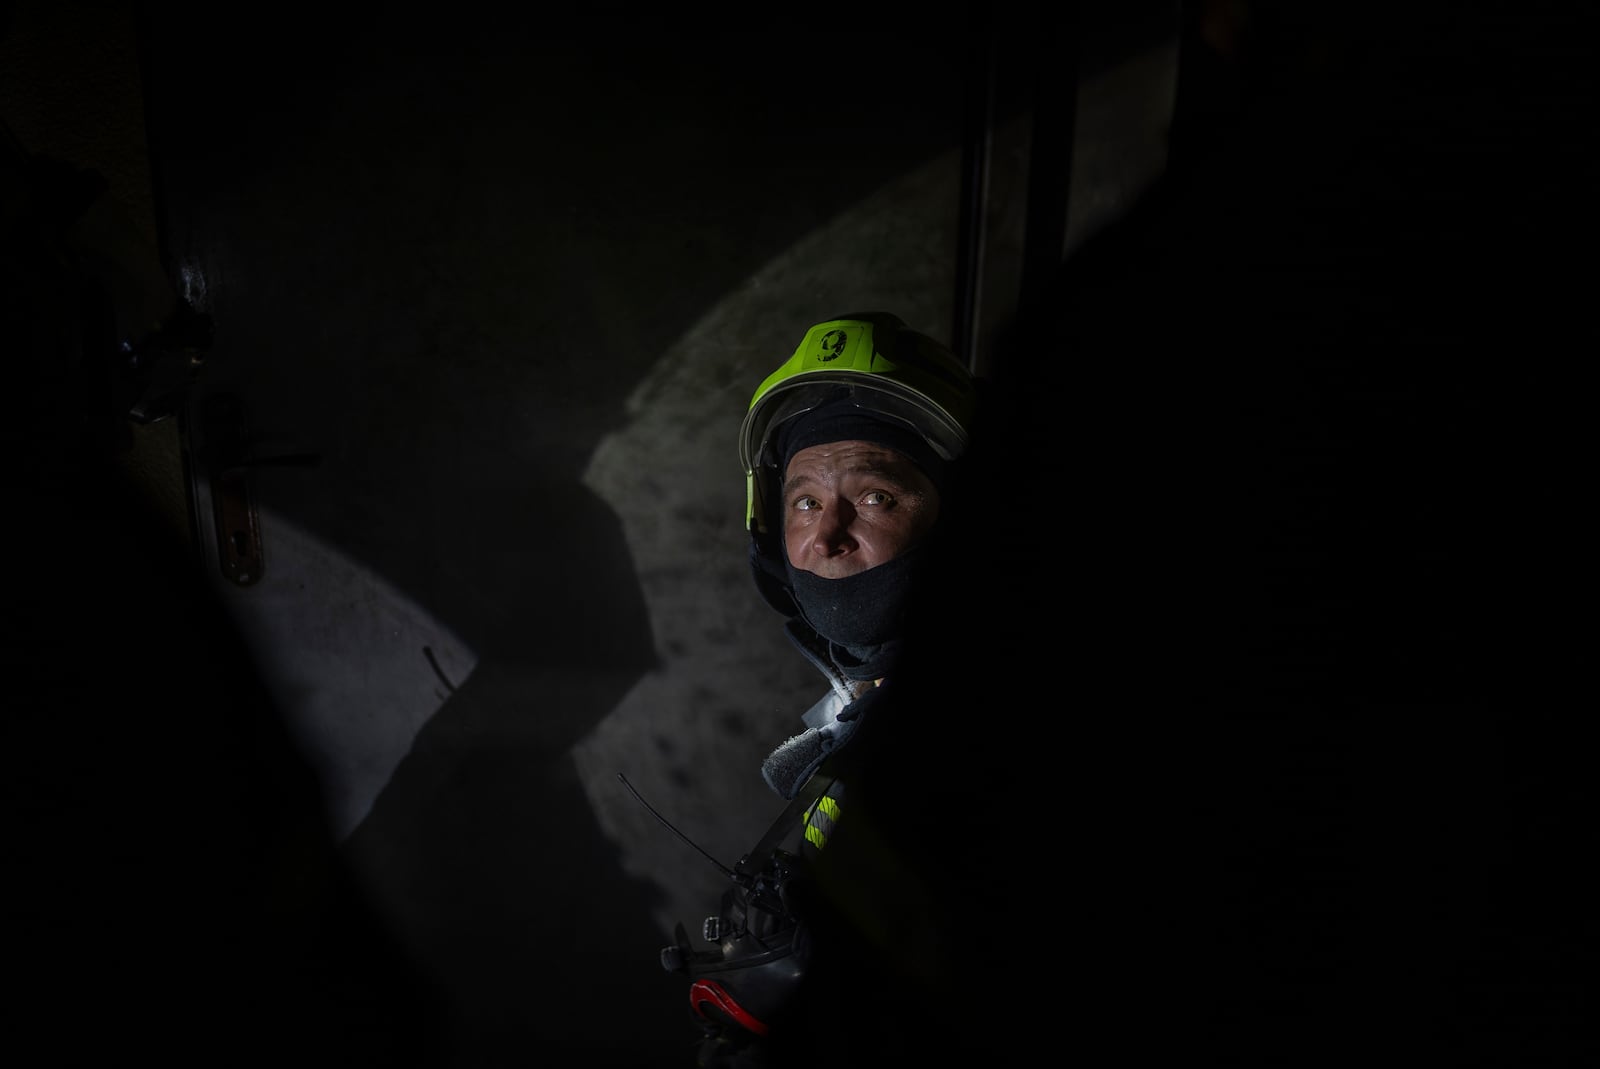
x: 832, y: 345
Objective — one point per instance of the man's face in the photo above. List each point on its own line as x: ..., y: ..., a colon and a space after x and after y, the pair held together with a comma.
x: 849, y: 506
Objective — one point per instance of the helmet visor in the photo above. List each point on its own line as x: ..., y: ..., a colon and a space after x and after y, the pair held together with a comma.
x: 875, y: 394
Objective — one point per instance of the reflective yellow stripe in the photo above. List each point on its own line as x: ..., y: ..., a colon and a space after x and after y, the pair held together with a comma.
x: 821, y: 816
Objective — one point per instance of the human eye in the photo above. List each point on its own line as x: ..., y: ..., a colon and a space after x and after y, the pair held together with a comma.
x: 878, y: 498
x: 804, y: 503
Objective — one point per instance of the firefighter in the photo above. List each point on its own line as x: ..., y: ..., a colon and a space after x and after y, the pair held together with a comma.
x: 838, y: 941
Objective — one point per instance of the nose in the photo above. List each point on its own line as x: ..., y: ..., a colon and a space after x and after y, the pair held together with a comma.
x: 831, y: 537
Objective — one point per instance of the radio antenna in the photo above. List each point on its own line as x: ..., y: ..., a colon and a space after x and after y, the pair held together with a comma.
x: 726, y: 871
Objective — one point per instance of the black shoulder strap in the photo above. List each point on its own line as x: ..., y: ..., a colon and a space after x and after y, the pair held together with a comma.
x: 789, y: 822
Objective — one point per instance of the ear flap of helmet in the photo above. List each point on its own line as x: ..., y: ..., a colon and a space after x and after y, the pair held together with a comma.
x: 772, y: 578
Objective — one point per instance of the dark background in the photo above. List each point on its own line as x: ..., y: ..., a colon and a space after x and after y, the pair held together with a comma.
x: 1273, y: 523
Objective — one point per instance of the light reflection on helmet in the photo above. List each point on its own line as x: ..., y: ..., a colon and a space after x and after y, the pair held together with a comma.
x: 881, y: 365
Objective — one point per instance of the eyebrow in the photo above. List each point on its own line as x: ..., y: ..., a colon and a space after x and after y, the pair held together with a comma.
x: 889, y: 473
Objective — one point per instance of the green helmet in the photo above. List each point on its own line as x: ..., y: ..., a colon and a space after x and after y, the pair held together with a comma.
x: 883, y: 366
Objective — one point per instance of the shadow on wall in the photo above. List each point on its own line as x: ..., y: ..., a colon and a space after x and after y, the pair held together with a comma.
x: 439, y: 258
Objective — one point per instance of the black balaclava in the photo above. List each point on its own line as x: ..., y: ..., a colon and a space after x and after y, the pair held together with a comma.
x: 862, y: 616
